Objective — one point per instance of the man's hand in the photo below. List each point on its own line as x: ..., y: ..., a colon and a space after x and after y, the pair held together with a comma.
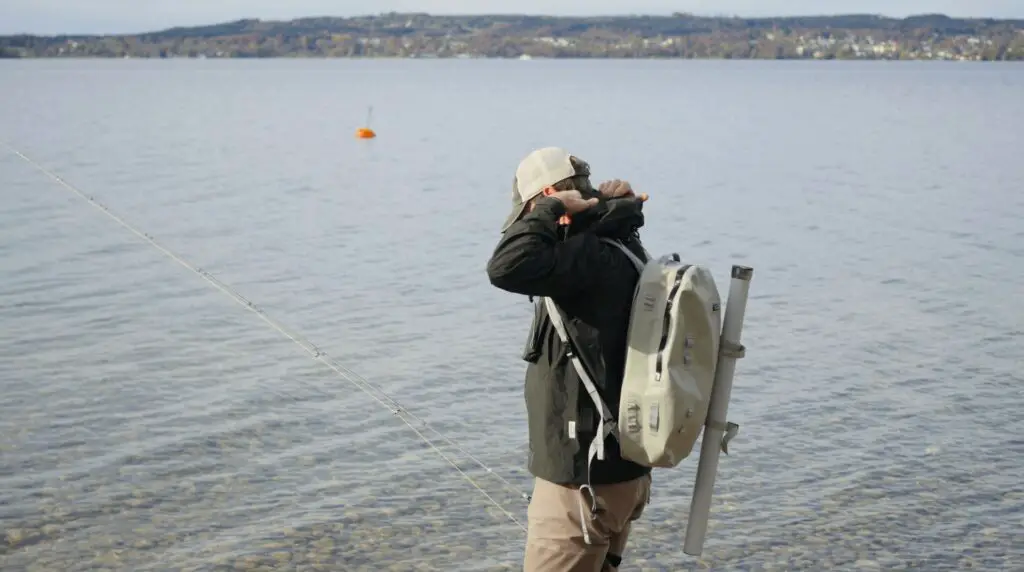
x: 573, y: 201
x: 615, y: 189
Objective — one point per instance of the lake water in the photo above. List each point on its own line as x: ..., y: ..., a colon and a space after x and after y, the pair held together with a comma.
x: 147, y: 422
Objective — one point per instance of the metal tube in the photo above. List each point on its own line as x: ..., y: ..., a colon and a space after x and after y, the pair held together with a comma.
x: 718, y: 408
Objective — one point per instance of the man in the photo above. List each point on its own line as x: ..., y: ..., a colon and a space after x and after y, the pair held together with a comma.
x: 579, y: 517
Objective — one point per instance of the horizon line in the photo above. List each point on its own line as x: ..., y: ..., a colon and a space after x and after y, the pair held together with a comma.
x: 507, y: 14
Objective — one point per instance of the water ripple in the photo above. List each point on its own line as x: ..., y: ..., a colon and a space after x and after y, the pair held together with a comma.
x: 146, y: 423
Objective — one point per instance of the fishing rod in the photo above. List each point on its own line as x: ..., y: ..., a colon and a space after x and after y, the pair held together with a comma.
x: 418, y: 425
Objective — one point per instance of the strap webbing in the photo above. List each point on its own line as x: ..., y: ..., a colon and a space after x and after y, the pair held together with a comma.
x: 606, y: 424
x: 632, y: 257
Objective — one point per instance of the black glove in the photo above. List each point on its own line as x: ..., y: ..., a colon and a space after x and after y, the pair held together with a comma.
x: 619, y: 218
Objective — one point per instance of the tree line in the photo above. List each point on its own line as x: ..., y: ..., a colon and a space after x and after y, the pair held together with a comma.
x: 677, y: 36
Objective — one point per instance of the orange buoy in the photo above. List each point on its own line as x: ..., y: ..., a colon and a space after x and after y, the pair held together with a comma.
x: 366, y: 132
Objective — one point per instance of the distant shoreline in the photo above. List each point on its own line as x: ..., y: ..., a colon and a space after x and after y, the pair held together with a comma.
x: 680, y: 36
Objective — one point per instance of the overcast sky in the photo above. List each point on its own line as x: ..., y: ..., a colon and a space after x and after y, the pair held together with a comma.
x: 129, y: 16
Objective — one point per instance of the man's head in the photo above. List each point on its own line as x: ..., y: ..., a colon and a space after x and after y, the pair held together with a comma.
x: 543, y: 172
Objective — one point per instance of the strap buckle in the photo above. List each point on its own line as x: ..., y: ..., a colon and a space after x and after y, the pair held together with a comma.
x: 730, y: 429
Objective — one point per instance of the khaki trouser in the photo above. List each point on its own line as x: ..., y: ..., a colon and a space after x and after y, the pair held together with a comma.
x: 556, y: 540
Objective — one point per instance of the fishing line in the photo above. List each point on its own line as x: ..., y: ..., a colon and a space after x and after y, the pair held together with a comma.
x: 374, y: 391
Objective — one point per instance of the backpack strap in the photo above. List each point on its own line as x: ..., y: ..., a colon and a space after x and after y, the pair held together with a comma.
x: 607, y: 425
x: 639, y: 264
